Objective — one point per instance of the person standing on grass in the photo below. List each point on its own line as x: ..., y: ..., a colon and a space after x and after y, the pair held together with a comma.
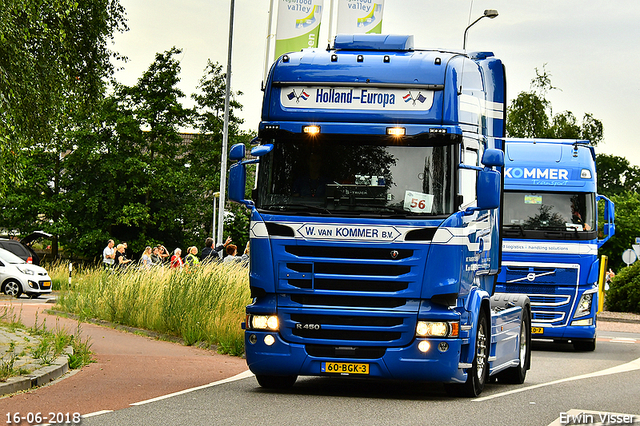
x: 191, y: 259
x: 213, y: 254
x: 232, y: 254
x: 146, y: 258
x: 121, y: 260
x: 109, y: 255
x: 176, y: 260
x: 156, y: 260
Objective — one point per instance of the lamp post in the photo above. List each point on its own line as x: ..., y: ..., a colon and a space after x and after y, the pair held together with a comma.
x: 489, y: 13
x: 225, y: 134
x: 213, y: 228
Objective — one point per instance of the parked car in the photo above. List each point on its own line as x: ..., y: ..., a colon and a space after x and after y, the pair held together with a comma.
x: 18, y: 276
x: 22, y: 248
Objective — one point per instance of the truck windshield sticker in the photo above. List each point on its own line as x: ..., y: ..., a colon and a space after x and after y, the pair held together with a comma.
x: 356, y: 98
x: 417, y: 202
x: 533, y: 199
x: 314, y: 231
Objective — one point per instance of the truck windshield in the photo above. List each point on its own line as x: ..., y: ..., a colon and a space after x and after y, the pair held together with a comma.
x: 542, y: 211
x: 345, y: 174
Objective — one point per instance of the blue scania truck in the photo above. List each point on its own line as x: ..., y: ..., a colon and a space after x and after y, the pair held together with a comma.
x: 552, y: 233
x: 375, y: 242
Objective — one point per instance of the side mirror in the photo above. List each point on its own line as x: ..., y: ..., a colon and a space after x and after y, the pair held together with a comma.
x: 609, y: 227
x: 261, y: 150
x: 237, y: 182
x: 237, y: 152
x: 488, y: 189
x: 493, y: 158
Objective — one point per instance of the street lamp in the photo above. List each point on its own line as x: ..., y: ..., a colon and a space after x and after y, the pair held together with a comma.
x: 225, y: 133
x: 489, y: 13
x: 213, y: 228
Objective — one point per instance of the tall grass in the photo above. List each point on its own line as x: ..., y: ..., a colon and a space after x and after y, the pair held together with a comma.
x: 203, y: 304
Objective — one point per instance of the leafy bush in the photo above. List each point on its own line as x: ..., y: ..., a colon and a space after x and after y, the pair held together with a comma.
x: 624, y: 292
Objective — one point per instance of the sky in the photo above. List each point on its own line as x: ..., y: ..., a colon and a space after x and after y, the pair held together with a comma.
x: 590, y: 49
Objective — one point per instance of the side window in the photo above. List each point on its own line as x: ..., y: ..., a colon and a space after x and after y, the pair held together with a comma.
x: 467, y: 178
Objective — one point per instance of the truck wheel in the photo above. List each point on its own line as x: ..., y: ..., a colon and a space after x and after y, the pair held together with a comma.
x: 478, y: 374
x: 276, y: 382
x: 588, y: 345
x: 517, y: 374
x: 12, y: 288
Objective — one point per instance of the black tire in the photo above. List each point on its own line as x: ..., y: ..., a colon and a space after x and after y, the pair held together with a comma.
x: 478, y: 374
x: 12, y: 288
x: 517, y: 374
x: 276, y: 382
x: 586, y: 345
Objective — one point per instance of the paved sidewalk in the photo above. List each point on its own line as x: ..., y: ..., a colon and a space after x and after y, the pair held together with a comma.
x: 129, y: 368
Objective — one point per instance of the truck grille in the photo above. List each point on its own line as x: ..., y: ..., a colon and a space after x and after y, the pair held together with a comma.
x: 552, y: 290
x: 333, y: 296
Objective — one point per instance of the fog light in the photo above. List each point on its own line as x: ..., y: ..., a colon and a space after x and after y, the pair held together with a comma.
x: 33, y: 285
x: 424, y: 346
x: 583, y: 322
x: 253, y: 339
x: 269, y: 340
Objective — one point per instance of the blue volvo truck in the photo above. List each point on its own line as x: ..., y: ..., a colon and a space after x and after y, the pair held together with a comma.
x: 552, y: 235
x: 375, y: 242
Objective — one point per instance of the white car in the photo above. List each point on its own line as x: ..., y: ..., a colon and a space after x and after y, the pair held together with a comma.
x: 18, y: 276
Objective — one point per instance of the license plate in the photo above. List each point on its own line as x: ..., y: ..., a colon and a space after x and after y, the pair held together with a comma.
x: 46, y: 284
x: 344, y: 368
x: 537, y: 330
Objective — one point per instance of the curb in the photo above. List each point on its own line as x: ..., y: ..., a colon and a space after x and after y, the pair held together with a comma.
x: 624, y: 320
x: 38, y: 377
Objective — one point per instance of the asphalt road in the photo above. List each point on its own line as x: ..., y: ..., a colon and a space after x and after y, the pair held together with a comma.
x: 187, y: 386
x: 554, y: 390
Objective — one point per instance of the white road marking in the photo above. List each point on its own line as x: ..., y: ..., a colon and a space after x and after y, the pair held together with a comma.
x: 623, y: 368
x: 240, y: 376
x: 96, y: 413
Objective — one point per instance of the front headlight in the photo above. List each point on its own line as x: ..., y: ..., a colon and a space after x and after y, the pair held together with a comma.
x: 584, y: 306
x: 25, y: 271
x: 437, y: 329
x: 262, y: 322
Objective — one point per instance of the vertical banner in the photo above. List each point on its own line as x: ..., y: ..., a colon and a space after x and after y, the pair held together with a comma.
x: 298, y: 25
x: 360, y: 16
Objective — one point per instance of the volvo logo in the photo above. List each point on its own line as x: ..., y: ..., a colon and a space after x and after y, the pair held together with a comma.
x: 394, y: 254
x: 531, y: 276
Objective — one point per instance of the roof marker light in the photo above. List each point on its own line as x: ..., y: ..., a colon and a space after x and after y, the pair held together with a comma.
x: 311, y: 130
x: 396, y: 131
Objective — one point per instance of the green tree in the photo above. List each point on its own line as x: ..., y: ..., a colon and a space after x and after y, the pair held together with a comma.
x: 530, y: 115
x: 616, y: 175
x: 627, y: 211
x: 54, y: 58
